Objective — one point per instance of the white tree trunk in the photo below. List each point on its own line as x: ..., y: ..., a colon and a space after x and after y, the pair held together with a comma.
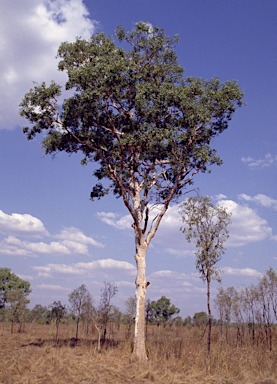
x: 139, y: 350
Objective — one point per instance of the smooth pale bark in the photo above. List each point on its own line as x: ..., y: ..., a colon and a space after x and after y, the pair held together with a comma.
x: 209, y: 314
x: 139, y: 350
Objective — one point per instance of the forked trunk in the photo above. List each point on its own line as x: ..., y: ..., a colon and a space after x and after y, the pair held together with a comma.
x: 139, y: 350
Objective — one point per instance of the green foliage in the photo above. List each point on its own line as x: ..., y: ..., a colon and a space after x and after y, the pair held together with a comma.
x: 161, y: 311
x: 106, y: 309
x: 200, y: 319
x: 40, y: 314
x: 12, y: 288
x: 206, y: 225
x: 78, y: 300
x: 58, y: 311
x: 133, y: 113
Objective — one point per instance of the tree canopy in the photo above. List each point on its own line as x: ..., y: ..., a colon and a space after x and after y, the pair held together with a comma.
x: 12, y: 287
x: 161, y: 311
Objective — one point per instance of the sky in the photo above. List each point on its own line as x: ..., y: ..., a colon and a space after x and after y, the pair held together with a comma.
x: 52, y: 235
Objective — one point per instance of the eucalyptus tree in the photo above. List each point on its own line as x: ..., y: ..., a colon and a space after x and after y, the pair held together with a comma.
x: 79, y: 300
x: 206, y: 225
x: 131, y: 111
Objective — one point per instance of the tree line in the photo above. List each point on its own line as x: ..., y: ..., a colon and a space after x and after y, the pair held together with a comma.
x: 251, y: 310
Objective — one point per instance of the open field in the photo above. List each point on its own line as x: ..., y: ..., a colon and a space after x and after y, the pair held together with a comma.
x: 177, y: 355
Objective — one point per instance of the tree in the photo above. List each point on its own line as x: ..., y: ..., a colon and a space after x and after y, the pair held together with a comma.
x: 79, y: 300
x: 133, y: 113
x: 13, y: 296
x: 40, y: 314
x: 200, y: 319
x: 58, y: 311
x: 11, y: 284
x: 130, y: 313
x: 206, y: 224
x: 161, y: 311
x: 105, y: 307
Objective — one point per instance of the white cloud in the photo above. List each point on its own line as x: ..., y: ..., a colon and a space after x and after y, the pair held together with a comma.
x: 21, y: 224
x: 83, y: 268
x: 32, y: 248
x: 52, y: 287
x: 247, y: 226
x: 74, y: 237
x: 71, y: 240
x: 110, y: 218
x: 260, y: 199
x: 266, y: 161
x: 248, y: 272
x: 31, y: 32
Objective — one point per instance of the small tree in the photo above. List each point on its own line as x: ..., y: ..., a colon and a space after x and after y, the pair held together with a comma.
x: 40, y: 314
x: 79, y: 300
x: 105, y: 307
x: 161, y: 311
x: 133, y: 113
x: 58, y: 311
x: 130, y: 313
x: 206, y: 225
x: 200, y: 319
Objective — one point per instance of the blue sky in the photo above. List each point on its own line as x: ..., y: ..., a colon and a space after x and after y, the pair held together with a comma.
x: 54, y: 236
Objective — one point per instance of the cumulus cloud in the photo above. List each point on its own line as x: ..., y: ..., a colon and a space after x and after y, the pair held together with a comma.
x: 248, y: 272
x: 52, y: 287
x: 31, y: 32
x: 83, y: 268
x: 70, y: 240
x: 73, y: 237
x: 21, y: 224
x: 247, y: 226
x: 260, y: 199
x: 110, y: 218
x: 266, y: 161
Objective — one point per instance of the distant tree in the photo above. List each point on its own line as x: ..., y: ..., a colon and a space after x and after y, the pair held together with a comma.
x: 88, y: 313
x: 78, y: 300
x: 187, y: 321
x: 40, y: 314
x: 200, y: 319
x: 161, y: 311
x: 206, y: 225
x: 133, y: 113
x: 105, y: 307
x: 130, y: 313
x: 223, y: 305
x: 58, y: 312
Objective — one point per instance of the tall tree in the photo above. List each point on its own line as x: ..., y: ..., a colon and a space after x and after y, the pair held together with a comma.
x: 133, y: 113
x: 206, y: 225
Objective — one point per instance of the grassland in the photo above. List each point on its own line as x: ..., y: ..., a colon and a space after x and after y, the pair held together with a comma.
x: 176, y: 355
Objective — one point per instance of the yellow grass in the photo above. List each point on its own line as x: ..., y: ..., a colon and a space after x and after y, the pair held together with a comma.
x: 176, y: 356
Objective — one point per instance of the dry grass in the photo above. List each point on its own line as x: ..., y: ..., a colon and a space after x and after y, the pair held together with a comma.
x: 177, y: 356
